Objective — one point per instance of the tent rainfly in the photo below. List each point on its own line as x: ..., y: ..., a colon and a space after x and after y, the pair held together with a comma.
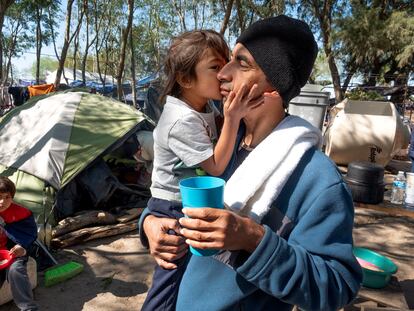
x: 49, y: 140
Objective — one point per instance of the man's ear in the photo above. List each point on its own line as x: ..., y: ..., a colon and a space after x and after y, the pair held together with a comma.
x: 184, y: 82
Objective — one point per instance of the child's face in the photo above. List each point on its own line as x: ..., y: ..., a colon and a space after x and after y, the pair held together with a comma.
x: 206, y: 85
x: 5, y: 201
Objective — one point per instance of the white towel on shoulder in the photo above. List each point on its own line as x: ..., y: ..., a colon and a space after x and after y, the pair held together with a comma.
x: 261, y: 177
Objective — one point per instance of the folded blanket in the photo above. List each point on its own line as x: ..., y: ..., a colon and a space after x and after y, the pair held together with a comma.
x: 261, y: 177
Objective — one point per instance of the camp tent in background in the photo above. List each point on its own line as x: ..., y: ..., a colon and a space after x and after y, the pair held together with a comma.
x: 48, y: 142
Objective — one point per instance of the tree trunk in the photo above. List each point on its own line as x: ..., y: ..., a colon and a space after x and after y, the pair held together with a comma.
x: 371, y: 80
x: 65, y: 44
x: 347, y: 80
x: 68, y: 40
x: 1, y: 44
x: 226, y: 17
x: 240, y: 16
x: 324, y: 17
x: 134, y: 81
x: 336, y: 80
x: 87, y: 45
x: 4, y: 5
x: 75, y: 53
x: 39, y: 40
x: 181, y: 15
x: 14, y: 37
x: 124, y: 40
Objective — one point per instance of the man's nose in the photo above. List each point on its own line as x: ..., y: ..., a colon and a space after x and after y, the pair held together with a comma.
x: 224, y: 74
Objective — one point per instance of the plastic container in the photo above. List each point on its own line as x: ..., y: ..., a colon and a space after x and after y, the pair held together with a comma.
x: 366, y: 181
x: 398, y: 189
x: 5, y: 255
x: 409, y: 192
x: 310, y: 106
x: 202, y: 191
x: 365, y: 131
x: 373, y: 278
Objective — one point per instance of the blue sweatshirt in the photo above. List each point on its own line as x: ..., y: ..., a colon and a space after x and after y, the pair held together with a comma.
x: 305, y: 257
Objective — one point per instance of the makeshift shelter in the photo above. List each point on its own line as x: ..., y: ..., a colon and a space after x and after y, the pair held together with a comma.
x: 49, y: 143
x: 42, y: 89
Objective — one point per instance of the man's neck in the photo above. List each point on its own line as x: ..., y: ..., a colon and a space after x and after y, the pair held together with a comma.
x: 257, y: 128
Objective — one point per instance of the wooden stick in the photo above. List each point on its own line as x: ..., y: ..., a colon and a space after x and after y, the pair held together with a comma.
x: 70, y: 224
x: 131, y: 214
x: 92, y: 233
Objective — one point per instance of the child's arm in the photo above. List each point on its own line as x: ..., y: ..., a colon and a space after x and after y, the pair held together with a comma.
x: 235, y: 108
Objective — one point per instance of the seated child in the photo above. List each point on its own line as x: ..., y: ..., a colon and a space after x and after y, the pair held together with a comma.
x: 18, y: 231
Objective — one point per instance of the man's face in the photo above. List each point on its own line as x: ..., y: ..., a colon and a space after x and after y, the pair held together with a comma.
x: 5, y: 201
x: 242, y: 68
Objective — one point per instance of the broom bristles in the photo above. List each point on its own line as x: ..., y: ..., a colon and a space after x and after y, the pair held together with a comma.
x: 62, y: 273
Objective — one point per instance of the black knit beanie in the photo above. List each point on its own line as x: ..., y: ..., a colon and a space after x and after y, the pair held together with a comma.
x: 285, y: 50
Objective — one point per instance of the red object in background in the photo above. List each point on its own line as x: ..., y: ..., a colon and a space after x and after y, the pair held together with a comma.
x: 5, y: 255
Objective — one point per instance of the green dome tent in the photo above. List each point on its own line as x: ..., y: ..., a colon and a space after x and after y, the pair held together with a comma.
x: 50, y: 140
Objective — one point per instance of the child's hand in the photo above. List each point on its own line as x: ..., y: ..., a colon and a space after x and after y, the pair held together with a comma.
x: 18, y: 251
x: 238, y: 105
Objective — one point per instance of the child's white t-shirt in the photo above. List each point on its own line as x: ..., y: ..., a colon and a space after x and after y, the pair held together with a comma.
x: 183, y: 138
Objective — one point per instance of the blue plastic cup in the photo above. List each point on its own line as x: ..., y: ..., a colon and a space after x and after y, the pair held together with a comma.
x: 203, y: 191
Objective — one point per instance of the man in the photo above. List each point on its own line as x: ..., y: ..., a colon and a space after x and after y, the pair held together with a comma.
x: 287, y: 238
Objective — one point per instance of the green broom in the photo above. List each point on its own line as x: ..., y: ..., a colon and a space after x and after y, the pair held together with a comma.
x: 62, y: 273
x: 59, y: 273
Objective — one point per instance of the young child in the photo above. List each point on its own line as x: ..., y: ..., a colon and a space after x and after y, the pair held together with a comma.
x: 186, y: 139
x: 18, y: 231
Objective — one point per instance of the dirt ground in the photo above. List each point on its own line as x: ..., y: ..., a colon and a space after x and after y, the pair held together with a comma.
x: 118, y: 270
x: 116, y: 276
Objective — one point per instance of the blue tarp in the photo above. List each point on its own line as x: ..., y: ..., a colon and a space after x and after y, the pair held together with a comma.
x: 147, y: 80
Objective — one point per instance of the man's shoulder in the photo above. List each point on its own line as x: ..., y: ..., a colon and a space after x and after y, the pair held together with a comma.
x: 314, y: 174
x: 316, y: 164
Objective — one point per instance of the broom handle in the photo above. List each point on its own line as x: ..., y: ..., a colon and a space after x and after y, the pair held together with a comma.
x: 40, y: 244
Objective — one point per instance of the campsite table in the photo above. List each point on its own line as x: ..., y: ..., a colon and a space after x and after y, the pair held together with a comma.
x: 396, y: 295
x: 391, y: 296
x: 388, y: 208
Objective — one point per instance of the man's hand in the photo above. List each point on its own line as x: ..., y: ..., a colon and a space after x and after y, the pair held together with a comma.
x: 17, y: 251
x: 164, y: 247
x: 211, y: 228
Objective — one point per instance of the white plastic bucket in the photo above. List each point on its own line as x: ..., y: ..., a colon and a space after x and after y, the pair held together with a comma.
x: 310, y: 106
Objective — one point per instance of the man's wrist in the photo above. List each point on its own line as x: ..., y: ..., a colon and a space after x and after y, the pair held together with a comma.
x: 145, y: 222
x: 255, y: 234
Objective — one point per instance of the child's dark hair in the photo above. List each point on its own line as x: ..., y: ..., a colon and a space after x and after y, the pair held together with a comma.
x: 185, y: 52
x: 7, y: 186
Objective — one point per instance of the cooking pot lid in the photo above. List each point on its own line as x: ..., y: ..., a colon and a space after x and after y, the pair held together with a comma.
x: 366, y: 172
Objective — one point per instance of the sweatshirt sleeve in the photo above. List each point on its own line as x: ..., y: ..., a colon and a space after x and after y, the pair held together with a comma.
x: 315, y: 268
x: 142, y: 236
x: 22, y: 232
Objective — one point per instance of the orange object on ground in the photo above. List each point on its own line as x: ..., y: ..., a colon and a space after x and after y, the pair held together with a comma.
x: 36, y: 90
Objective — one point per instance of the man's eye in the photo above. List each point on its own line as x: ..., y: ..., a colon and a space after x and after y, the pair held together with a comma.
x: 243, y: 64
x: 216, y: 67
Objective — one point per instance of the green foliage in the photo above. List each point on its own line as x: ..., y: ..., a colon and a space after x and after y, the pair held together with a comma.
x: 375, y: 39
x: 400, y: 31
x: 359, y: 94
x: 47, y: 64
x: 17, y: 36
x: 320, y: 73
